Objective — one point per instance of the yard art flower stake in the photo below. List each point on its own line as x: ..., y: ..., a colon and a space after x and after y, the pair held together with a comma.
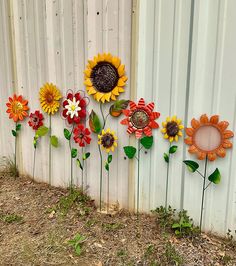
x: 17, y: 108
x: 105, y: 80
x: 74, y: 111
x: 140, y: 119
x: 172, y: 131
x: 207, y: 138
x: 36, y: 122
x: 49, y: 96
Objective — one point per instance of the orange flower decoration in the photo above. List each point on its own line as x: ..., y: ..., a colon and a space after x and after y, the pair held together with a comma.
x: 17, y: 108
x: 208, y: 137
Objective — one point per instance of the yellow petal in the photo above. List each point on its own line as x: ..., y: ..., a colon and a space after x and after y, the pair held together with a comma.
x: 180, y: 133
x: 108, y: 130
x: 176, y: 138
x: 113, y: 97
x: 120, y: 83
x: 99, y: 95
x: 166, y: 136
x: 87, y: 72
x: 108, y: 150
x: 181, y: 127
x: 91, y: 90
x: 115, y: 91
x: 121, y: 89
x: 103, y: 132
x: 93, y: 63
x: 101, y: 57
x: 171, y: 139
x: 115, y: 144
x: 103, y: 99
x: 88, y: 82
x: 108, y: 57
x: 179, y: 121
x: 124, y: 78
x: 174, y: 118
x: 116, y: 61
x: 163, y: 130
x: 121, y: 70
x: 168, y: 119
x: 164, y: 124
x: 108, y: 96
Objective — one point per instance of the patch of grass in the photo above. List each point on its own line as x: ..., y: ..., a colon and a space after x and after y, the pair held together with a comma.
x: 91, y: 222
x: 77, y: 243
x: 165, y: 217
x: 112, y: 226
x: 11, y: 218
x: 7, y: 166
x: 226, y: 259
x: 149, y: 251
x: 76, y: 198
x: 172, y: 256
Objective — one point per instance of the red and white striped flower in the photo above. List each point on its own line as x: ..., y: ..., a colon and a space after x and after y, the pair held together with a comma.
x: 140, y: 118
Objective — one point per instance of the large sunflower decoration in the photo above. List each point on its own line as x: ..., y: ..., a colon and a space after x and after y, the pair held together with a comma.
x: 17, y: 108
x: 74, y: 112
x: 172, y: 130
x: 208, y: 138
x: 49, y: 96
x: 140, y: 121
x: 105, y: 79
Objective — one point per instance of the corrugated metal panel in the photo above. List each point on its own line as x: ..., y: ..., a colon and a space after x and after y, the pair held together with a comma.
x: 52, y: 42
x: 185, y: 63
x: 187, y: 66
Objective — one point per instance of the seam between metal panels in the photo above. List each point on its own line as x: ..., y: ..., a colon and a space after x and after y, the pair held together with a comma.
x: 187, y: 92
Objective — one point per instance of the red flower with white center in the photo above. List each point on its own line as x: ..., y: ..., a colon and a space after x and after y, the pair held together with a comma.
x: 82, y: 135
x: 140, y: 119
x: 74, y: 107
x: 36, y: 120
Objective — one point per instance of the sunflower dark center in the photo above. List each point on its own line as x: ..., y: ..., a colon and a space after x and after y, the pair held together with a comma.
x: 140, y: 119
x: 104, y: 77
x: 172, y: 129
x: 107, y: 140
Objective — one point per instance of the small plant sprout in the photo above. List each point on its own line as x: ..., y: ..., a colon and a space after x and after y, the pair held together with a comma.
x: 77, y: 243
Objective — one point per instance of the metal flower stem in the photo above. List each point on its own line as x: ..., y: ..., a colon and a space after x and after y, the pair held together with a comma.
x: 203, y: 193
x: 167, y: 179
x: 15, y: 156
x: 34, y: 161
x: 82, y: 177
x: 71, y: 161
x: 138, y: 181
x: 108, y: 188
x: 50, y: 149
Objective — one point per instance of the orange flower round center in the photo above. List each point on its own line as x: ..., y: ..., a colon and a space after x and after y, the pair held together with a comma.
x: 140, y: 119
x: 17, y: 107
x: 207, y: 138
x: 104, y: 77
x: 107, y: 140
x: 172, y: 129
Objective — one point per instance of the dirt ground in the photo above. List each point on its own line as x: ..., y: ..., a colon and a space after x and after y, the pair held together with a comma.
x: 34, y: 231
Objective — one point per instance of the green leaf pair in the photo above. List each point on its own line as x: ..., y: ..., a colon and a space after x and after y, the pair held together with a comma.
x: 18, y: 128
x: 192, y: 166
x: 109, y: 160
x: 172, y: 150
x: 85, y: 156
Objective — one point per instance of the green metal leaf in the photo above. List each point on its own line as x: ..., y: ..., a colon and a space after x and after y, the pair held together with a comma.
x: 109, y: 158
x: 107, y: 166
x: 67, y: 134
x: 79, y: 164
x: 130, y: 151
x: 117, y: 107
x: 147, y: 142
x: 54, y: 141
x: 14, y: 133
x: 86, y: 155
x: 191, y: 165
x: 94, y: 123
x: 173, y: 149
x: 74, y: 153
x: 166, y: 157
x: 42, y: 131
x: 215, y: 177
x: 18, y: 127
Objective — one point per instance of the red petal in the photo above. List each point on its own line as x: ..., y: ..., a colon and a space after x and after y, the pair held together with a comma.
x: 141, y: 103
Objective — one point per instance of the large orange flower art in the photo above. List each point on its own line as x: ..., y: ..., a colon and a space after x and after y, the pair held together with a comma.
x: 140, y: 119
x: 208, y: 137
x: 17, y: 108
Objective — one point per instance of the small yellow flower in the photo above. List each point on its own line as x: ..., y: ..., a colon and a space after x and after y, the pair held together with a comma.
x: 49, y: 96
x: 107, y: 140
x: 172, y: 128
x: 104, y: 77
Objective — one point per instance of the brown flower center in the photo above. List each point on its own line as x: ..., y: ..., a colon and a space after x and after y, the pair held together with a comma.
x: 140, y: 119
x: 172, y: 129
x: 104, y: 77
x: 49, y: 98
x: 107, y: 140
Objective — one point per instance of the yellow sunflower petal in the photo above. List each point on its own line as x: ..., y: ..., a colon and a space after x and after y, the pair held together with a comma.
x: 179, y: 121
x: 91, y: 90
x: 88, y: 82
x: 92, y: 63
x: 113, y: 97
x: 115, y: 91
x: 120, y: 83
x: 121, y: 70
x: 166, y: 136
x: 181, y: 127
x: 121, y: 89
x: 87, y: 72
x: 176, y: 138
x: 164, y: 124
x: 171, y: 139
x: 174, y: 118
x: 98, y: 96
x: 168, y: 119
x: 108, y: 96
x: 180, y: 133
x: 163, y: 130
x: 108, y: 57
x: 101, y: 57
x: 116, y: 62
